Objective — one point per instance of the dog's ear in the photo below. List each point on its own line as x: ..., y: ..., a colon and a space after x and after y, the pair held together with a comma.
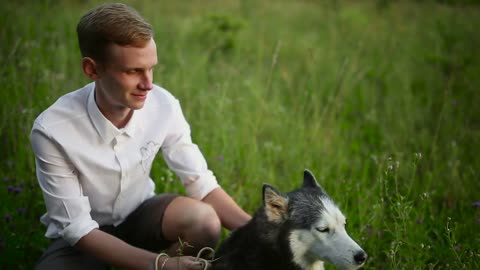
x: 309, y: 181
x: 275, y: 204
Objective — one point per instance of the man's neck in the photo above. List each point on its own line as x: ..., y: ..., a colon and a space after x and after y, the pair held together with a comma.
x: 119, y: 119
x: 118, y: 116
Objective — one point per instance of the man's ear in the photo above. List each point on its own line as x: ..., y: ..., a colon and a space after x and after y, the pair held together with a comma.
x: 90, y: 68
x: 276, y: 204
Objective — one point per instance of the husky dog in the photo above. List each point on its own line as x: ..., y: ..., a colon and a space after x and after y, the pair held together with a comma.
x: 293, y: 231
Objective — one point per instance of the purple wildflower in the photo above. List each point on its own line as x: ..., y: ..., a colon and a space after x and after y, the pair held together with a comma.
x: 8, y: 217
x: 220, y: 157
x: 18, y: 190
x: 21, y: 210
x: 476, y: 204
x: 10, y: 188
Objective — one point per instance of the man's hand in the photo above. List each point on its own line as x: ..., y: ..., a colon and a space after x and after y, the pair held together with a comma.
x: 183, y: 263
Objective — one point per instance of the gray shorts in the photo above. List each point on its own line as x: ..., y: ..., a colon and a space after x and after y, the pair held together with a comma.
x: 142, y: 228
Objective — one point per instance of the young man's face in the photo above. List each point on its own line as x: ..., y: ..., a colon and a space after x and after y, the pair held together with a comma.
x: 126, y: 77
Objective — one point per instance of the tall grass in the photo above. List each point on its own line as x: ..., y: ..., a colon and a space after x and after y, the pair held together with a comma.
x: 379, y: 99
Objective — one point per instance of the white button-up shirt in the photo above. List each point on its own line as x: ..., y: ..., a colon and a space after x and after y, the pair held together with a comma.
x: 92, y: 173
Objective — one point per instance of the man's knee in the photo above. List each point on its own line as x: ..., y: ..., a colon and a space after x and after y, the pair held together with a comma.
x: 210, y: 222
x: 207, y: 222
x: 192, y: 219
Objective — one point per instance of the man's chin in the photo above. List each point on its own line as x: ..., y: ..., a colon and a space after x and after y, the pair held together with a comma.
x: 137, y: 104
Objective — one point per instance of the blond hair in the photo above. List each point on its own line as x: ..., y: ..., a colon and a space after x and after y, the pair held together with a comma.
x: 111, y: 23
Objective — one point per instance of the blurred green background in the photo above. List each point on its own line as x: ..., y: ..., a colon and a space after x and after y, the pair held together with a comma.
x: 379, y: 99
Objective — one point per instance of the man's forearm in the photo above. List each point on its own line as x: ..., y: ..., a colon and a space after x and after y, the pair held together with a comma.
x: 231, y: 215
x: 115, y: 252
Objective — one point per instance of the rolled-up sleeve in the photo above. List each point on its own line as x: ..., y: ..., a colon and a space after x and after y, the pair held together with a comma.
x: 67, y: 209
x: 185, y: 158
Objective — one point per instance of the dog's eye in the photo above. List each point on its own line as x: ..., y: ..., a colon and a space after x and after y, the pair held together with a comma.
x: 323, y: 230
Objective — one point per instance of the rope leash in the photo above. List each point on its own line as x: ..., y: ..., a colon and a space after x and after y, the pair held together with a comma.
x: 198, y: 258
x: 158, y: 258
x: 205, y: 262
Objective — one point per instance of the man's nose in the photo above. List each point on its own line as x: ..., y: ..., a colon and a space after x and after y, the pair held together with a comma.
x: 146, y: 82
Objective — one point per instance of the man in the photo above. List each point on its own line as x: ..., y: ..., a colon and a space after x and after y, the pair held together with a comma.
x: 94, y: 149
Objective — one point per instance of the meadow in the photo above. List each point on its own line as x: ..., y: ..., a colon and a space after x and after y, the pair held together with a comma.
x: 379, y: 99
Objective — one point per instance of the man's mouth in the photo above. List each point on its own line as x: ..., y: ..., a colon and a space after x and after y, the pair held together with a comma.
x: 140, y: 96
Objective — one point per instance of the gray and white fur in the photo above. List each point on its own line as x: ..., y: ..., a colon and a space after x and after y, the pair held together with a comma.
x: 294, y: 231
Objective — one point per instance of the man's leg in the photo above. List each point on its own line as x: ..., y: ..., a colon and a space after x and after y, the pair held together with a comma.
x: 60, y: 255
x: 161, y: 221
x: 193, y: 222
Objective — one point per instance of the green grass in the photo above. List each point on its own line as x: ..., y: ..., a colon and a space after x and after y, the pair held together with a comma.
x: 380, y: 100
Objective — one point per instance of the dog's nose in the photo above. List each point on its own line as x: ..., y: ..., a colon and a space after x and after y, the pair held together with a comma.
x: 360, y: 257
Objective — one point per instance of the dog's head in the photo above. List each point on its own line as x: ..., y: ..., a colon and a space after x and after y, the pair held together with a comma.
x: 315, y: 225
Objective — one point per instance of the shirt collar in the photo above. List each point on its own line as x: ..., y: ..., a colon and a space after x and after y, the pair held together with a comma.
x: 104, y: 127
